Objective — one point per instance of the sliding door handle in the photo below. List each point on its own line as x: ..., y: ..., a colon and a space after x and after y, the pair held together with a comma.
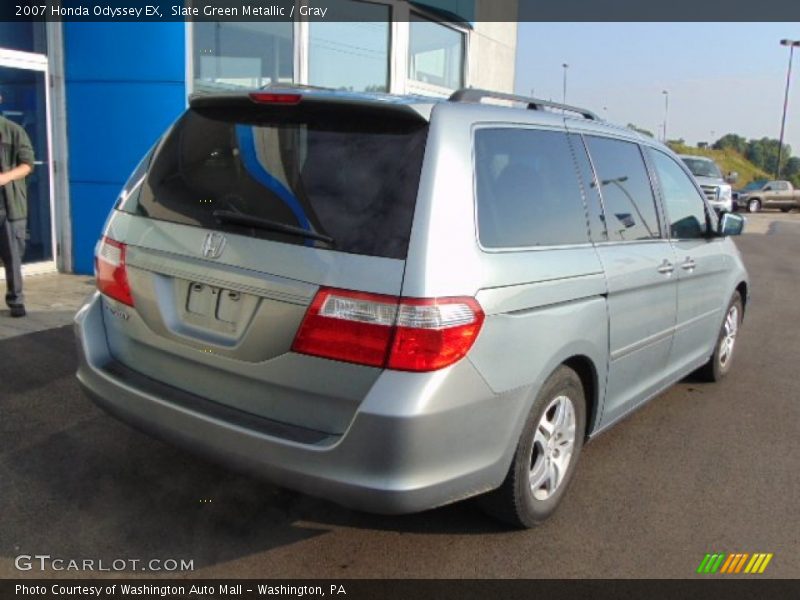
x: 666, y: 267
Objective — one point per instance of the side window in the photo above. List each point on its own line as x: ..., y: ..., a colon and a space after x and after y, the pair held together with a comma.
x: 783, y: 186
x: 686, y: 211
x: 628, y: 199
x: 594, y: 205
x: 528, y: 192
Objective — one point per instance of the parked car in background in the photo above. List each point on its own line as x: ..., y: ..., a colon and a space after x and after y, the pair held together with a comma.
x: 397, y: 303
x: 770, y: 194
x: 717, y: 189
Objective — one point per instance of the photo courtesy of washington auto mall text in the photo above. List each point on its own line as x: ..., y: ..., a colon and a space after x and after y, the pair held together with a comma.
x: 200, y: 590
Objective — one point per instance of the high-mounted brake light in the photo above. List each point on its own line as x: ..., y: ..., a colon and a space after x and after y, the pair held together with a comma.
x: 272, y: 98
x: 110, y: 271
x: 406, y: 334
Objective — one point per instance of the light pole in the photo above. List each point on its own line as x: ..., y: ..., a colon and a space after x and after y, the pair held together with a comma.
x: 666, y: 112
x: 566, y: 66
x: 792, y: 45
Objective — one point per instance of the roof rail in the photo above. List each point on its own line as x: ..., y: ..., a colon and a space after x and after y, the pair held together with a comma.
x: 476, y: 95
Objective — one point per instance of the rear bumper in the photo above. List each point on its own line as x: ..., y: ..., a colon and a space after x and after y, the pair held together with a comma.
x: 417, y: 440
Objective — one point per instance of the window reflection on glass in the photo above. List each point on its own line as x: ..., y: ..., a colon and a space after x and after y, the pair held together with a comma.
x: 625, y: 186
x: 685, y: 208
x: 435, y: 54
x: 351, y: 55
x: 335, y: 175
x: 242, y: 55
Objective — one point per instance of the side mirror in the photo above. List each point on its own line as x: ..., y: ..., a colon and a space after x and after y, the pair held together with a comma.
x: 730, y: 224
x: 732, y: 177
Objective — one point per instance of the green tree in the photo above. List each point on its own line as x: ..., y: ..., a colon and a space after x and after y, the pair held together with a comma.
x: 764, y: 153
x: 791, y: 167
x: 733, y: 141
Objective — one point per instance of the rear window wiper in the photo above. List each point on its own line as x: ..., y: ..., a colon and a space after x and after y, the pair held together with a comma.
x: 228, y: 216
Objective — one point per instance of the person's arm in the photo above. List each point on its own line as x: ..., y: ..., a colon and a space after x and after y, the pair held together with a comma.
x: 18, y: 172
x: 24, y: 159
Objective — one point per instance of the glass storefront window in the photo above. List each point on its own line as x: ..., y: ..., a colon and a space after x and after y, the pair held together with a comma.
x: 24, y: 36
x: 435, y: 54
x: 23, y: 100
x: 354, y: 52
x: 228, y: 56
x: 351, y: 55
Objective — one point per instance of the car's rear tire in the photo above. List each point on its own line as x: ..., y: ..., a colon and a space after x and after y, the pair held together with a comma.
x: 547, y: 451
x: 754, y: 205
x: 719, y: 364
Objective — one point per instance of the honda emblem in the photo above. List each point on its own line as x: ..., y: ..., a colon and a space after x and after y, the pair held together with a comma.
x: 213, y: 245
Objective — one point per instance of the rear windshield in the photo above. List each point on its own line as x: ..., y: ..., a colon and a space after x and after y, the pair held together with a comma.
x: 353, y: 181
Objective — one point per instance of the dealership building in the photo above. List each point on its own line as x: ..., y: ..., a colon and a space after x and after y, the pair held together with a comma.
x: 94, y: 96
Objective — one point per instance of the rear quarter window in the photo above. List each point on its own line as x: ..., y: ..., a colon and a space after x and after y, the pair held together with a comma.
x: 527, y: 188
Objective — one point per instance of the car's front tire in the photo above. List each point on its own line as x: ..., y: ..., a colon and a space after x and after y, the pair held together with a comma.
x: 546, y: 454
x: 720, y: 362
x: 754, y: 206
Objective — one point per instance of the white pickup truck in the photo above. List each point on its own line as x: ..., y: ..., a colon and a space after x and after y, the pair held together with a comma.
x: 771, y: 194
x: 716, y: 188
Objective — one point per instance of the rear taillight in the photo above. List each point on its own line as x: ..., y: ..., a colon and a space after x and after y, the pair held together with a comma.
x: 110, y: 272
x: 434, y: 333
x: 407, y: 334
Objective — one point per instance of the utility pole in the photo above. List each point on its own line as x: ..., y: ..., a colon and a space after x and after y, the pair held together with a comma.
x: 792, y: 45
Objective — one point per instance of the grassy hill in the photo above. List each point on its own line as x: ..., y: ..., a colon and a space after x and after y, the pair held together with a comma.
x: 728, y: 160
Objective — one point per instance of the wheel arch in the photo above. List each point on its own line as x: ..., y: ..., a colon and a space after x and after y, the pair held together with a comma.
x: 587, y: 372
x: 743, y: 290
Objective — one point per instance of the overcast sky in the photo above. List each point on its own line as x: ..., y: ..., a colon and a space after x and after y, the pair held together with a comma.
x: 721, y: 77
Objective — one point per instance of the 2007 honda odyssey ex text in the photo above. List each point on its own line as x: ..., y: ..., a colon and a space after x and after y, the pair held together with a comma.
x: 397, y: 303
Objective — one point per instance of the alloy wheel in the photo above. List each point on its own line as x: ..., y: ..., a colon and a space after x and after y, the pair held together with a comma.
x: 730, y: 328
x: 553, y: 445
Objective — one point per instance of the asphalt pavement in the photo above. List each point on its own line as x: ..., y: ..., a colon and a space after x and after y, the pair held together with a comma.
x: 702, y: 468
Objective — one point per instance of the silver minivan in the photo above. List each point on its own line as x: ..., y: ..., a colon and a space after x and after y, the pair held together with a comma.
x: 398, y: 303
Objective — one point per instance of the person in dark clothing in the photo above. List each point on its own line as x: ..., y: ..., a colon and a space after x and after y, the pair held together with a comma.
x: 16, y: 163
